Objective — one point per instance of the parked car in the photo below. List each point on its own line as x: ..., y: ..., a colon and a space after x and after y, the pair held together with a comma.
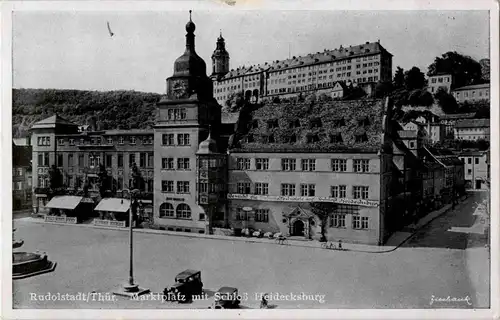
x: 226, y: 298
x: 187, y: 284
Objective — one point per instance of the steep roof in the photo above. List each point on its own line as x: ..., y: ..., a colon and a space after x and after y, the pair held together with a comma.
x: 474, y: 86
x: 473, y: 123
x: 332, y: 126
x: 444, y: 156
x: 52, y: 121
x: 457, y: 116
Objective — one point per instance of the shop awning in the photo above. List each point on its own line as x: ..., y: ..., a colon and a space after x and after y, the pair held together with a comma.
x: 113, y: 205
x: 64, y: 202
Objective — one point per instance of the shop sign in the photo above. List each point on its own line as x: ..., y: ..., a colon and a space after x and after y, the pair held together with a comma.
x: 358, y: 202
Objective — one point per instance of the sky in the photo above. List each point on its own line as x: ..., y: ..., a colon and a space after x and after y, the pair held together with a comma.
x: 73, y: 50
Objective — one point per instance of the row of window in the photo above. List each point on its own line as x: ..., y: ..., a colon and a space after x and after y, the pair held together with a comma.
x: 469, y: 160
x: 148, y: 140
x: 169, y: 164
x: 335, y: 221
x: 338, y: 221
x: 306, y: 190
x: 260, y: 215
x: 43, y: 141
x: 290, y: 164
x: 168, y: 186
x: 473, y: 93
x: 168, y: 139
x: 183, y: 211
x: 94, y: 160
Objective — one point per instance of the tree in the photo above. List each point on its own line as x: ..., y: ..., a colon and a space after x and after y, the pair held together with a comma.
x: 446, y: 101
x: 55, y: 179
x: 464, y: 69
x: 103, y: 181
x: 414, y: 79
x: 235, y: 101
x: 137, y: 179
x: 322, y: 210
x: 399, y: 78
x: 382, y: 89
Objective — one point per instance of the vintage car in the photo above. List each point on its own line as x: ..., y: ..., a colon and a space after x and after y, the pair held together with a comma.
x: 226, y: 298
x: 187, y: 284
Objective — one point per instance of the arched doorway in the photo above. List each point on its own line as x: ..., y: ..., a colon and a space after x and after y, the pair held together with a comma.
x: 298, y: 228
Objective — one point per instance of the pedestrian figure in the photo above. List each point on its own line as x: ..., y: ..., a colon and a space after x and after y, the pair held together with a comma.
x: 263, y: 302
x: 340, y: 244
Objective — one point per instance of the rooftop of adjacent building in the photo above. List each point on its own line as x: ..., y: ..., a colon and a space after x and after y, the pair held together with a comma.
x: 473, y: 123
x: 471, y: 153
x: 444, y: 156
x: 473, y: 87
x: 457, y: 116
x: 21, y: 156
x: 54, y: 120
x: 369, y: 48
x: 333, y: 126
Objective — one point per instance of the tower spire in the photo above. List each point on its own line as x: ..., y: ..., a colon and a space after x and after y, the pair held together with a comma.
x: 190, y: 15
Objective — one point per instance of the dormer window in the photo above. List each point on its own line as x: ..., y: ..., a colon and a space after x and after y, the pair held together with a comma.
x: 315, y: 123
x: 337, y: 123
x: 121, y: 140
x: 82, y: 141
x: 60, y: 142
x: 271, y: 124
x: 362, y: 137
x: 98, y: 140
x: 363, y: 121
x: 311, y: 138
x: 110, y: 140
x: 294, y: 124
x: 269, y: 138
x: 132, y: 140
x: 336, y: 138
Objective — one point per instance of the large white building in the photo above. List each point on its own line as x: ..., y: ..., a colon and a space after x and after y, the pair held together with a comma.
x: 362, y: 65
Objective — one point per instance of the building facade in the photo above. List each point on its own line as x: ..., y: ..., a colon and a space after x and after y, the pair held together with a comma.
x: 472, y: 129
x: 186, y: 115
x: 476, y: 170
x: 472, y: 93
x: 21, y: 177
x: 361, y: 65
x: 444, y: 81
x: 77, y: 155
x: 449, y: 121
x: 274, y: 178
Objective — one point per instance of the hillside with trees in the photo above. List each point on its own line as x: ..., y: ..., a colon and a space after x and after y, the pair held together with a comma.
x: 103, y: 109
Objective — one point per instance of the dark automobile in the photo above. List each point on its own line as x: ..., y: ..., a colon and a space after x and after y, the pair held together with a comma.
x: 187, y: 284
x: 226, y: 298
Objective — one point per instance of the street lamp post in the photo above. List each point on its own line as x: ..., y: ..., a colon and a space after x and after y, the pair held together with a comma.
x: 131, y: 289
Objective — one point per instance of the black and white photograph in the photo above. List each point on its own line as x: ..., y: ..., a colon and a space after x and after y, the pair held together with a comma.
x: 208, y: 156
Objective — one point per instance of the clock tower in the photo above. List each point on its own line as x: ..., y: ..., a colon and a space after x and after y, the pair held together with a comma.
x: 184, y: 116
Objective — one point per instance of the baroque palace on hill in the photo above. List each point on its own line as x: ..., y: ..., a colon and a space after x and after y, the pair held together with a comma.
x: 322, y: 72
x: 264, y: 174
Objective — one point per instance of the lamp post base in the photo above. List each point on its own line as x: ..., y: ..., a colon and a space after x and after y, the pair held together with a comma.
x: 130, y: 290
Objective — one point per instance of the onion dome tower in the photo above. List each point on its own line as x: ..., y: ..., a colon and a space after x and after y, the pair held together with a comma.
x: 190, y: 74
x: 182, y: 129
x: 220, y: 59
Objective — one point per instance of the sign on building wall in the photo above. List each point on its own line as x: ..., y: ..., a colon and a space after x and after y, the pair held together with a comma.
x: 358, y: 202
